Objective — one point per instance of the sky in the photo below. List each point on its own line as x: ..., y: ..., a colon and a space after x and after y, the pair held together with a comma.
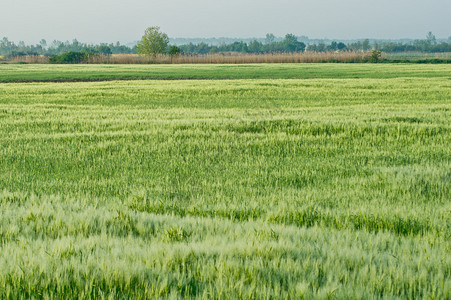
x: 94, y: 21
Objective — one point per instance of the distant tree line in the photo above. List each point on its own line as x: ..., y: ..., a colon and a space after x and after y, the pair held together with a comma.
x: 9, y: 48
x: 289, y: 43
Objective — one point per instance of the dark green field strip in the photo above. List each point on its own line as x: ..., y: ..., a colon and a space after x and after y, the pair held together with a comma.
x: 70, y: 73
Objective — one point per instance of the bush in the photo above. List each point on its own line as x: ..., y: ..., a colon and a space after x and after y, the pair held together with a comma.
x: 375, y: 56
x: 71, y: 58
x: 174, y: 51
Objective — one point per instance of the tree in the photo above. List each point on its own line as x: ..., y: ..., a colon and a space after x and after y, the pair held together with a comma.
x: 255, y: 46
x: 333, y: 46
x: 291, y: 43
x: 341, y: 46
x: 174, y: 51
x: 375, y: 56
x: 153, y: 42
x: 269, y: 38
x: 43, y: 43
x: 431, y: 39
x: 103, y: 49
x: 202, y: 48
x: 366, y: 45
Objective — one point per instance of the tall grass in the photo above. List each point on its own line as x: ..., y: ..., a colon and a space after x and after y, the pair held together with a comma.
x: 239, y: 58
x: 28, y: 59
x: 242, y: 58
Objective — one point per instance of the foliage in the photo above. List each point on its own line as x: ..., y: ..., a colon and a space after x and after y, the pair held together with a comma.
x: 174, y: 50
x: 153, y: 42
x: 270, y: 44
x: 375, y: 56
x: 104, y: 49
x: 430, y: 39
x: 9, y: 48
x: 70, y: 58
x: 291, y: 44
x: 270, y: 38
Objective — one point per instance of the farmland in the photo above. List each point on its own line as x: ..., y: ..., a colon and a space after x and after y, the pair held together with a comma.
x: 62, y: 73
x: 245, y: 181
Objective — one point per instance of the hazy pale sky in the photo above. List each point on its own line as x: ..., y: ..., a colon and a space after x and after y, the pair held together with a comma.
x: 126, y: 20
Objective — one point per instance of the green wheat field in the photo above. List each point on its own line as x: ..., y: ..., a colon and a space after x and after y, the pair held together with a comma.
x: 225, y: 181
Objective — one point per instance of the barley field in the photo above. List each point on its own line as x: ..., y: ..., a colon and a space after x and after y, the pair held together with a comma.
x: 246, y: 182
x: 88, y: 73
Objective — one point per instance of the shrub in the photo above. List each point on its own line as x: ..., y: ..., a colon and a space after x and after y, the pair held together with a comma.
x: 376, y: 56
x: 174, y: 51
x: 70, y: 58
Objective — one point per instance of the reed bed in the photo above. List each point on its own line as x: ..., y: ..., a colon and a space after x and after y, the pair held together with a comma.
x: 27, y: 59
x: 240, y: 58
x: 235, y: 58
x: 217, y: 58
